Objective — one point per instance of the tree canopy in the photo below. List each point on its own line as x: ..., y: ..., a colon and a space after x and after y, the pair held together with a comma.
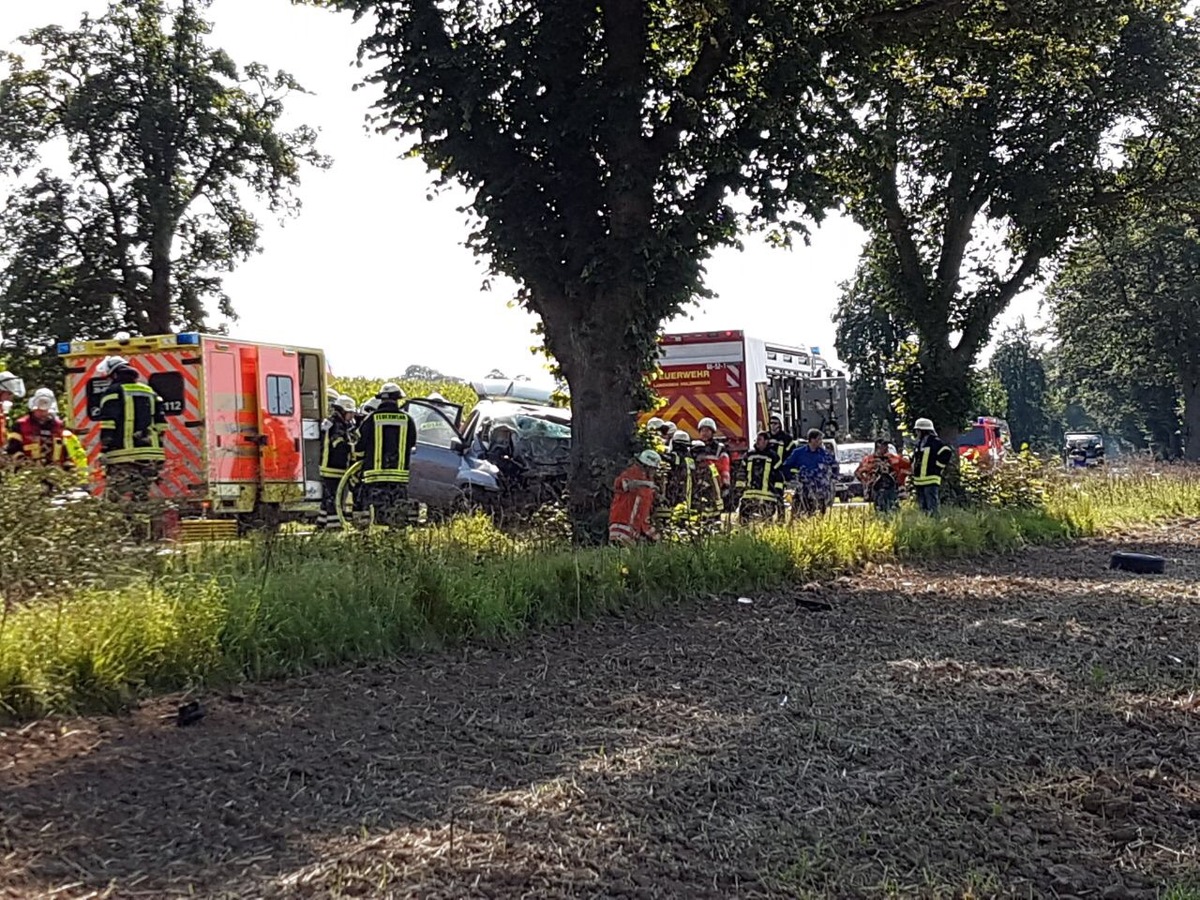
x: 977, y: 150
x: 167, y: 144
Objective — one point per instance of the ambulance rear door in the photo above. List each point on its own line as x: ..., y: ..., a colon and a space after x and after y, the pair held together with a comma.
x: 280, y: 437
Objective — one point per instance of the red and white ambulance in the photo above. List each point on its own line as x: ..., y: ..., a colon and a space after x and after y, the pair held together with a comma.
x: 244, y: 421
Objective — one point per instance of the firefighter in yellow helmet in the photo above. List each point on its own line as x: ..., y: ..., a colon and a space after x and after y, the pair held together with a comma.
x: 132, y: 424
x: 385, y: 444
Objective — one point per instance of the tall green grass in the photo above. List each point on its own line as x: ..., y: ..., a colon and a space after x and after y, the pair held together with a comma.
x: 256, y: 609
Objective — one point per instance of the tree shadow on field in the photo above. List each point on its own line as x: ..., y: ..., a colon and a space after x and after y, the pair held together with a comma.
x: 922, y: 743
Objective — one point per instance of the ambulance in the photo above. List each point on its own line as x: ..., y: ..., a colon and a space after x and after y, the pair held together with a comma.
x: 243, y: 439
x: 738, y: 381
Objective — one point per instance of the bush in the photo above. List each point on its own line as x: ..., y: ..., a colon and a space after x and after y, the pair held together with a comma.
x: 1018, y: 483
x: 264, y: 608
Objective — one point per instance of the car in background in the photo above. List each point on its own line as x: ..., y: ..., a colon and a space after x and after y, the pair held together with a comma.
x: 845, y: 485
x: 1083, y: 449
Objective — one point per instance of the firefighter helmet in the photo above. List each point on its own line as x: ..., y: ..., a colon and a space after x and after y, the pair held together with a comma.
x: 654, y: 424
x: 11, y: 384
x: 43, y: 398
x: 706, y: 422
x: 391, y: 391
x: 924, y: 424
x: 370, y: 406
x: 650, y: 459
x: 345, y: 403
x: 681, y: 437
x: 110, y: 365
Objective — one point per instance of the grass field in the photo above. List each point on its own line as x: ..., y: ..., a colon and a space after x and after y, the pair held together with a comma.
x: 260, y: 609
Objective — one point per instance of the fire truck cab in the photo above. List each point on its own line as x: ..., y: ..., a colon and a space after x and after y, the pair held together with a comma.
x: 243, y: 440
x: 985, y: 441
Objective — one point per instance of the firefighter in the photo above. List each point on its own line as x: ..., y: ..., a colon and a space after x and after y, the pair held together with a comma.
x: 883, y: 474
x: 813, y: 465
x: 780, y: 440
x: 715, y: 456
x: 706, y: 483
x: 666, y: 432
x: 132, y: 422
x: 501, y: 452
x: 930, y: 460
x: 39, y: 437
x: 385, y: 445
x: 10, y: 386
x: 681, y: 473
x: 762, y: 482
x: 336, y: 452
x: 654, y: 430
x: 633, y: 502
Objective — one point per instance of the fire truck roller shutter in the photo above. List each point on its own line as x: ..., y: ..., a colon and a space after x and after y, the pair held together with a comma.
x: 756, y: 372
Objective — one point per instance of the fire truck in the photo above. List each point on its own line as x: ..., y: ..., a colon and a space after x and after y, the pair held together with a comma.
x: 738, y: 381
x: 243, y: 441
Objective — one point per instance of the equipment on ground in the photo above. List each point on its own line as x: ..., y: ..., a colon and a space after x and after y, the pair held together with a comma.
x: 1138, y: 563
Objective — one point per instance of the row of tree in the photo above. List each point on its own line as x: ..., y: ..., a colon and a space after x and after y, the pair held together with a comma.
x: 609, y: 146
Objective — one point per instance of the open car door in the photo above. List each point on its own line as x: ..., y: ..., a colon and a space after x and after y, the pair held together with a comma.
x: 281, y: 459
x: 438, y: 455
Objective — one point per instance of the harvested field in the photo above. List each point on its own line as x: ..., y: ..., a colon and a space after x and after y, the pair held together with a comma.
x: 1026, y: 726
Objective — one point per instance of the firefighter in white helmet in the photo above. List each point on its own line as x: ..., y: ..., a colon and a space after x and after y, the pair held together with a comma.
x: 633, y: 501
x: 132, y: 424
x: 39, y: 437
x: 712, y: 469
x: 385, y: 444
x: 10, y: 386
x: 930, y: 460
x: 336, y: 453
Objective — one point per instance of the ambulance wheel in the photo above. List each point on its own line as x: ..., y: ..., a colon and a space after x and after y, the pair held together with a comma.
x: 265, y: 519
x: 1138, y: 563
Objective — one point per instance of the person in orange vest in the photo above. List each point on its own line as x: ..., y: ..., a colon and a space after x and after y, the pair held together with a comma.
x: 633, y: 502
x: 10, y: 386
x: 38, y: 437
x: 883, y: 474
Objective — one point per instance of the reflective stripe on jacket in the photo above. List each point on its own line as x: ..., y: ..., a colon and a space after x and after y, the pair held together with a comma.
x: 335, y: 447
x: 132, y: 422
x: 386, y: 443
x: 40, y: 442
x: 930, y: 461
x: 632, y: 505
x: 763, y: 478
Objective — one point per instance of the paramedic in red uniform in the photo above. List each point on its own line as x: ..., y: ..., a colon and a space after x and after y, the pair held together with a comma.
x: 132, y: 422
x: 39, y: 438
x: 633, y: 502
x: 385, y: 444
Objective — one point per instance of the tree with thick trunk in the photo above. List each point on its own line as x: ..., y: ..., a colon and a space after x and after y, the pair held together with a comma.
x: 603, y: 143
x: 982, y: 151
x: 167, y: 138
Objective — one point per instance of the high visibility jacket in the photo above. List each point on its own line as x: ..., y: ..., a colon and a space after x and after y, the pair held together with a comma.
x: 930, y: 461
x: 632, y: 506
x: 40, y: 442
x: 763, y: 478
x: 132, y: 422
x: 681, y: 474
x: 385, y: 445
x: 779, y: 445
x: 883, y: 471
x: 335, y: 447
x: 714, y: 455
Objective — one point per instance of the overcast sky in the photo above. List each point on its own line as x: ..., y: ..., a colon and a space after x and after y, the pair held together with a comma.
x: 377, y: 275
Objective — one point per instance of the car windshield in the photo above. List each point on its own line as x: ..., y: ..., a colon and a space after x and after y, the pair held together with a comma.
x: 1076, y: 440
x: 531, y: 427
x: 852, y: 453
x: 976, y: 436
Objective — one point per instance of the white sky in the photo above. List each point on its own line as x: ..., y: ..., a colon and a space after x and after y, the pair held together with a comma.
x: 377, y: 275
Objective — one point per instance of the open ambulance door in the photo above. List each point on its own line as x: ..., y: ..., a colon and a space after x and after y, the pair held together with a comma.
x: 280, y: 435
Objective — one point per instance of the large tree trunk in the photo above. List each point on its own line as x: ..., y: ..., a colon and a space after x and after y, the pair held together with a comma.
x: 158, y: 314
x: 1191, y: 417
x: 603, y: 370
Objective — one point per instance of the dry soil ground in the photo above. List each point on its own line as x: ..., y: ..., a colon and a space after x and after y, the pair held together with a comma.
x: 1021, y: 726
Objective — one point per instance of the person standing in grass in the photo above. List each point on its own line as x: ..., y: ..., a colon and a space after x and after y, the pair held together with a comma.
x: 336, y: 452
x: 633, y: 502
x: 813, y: 465
x: 882, y: 474
x: 929, y: 463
